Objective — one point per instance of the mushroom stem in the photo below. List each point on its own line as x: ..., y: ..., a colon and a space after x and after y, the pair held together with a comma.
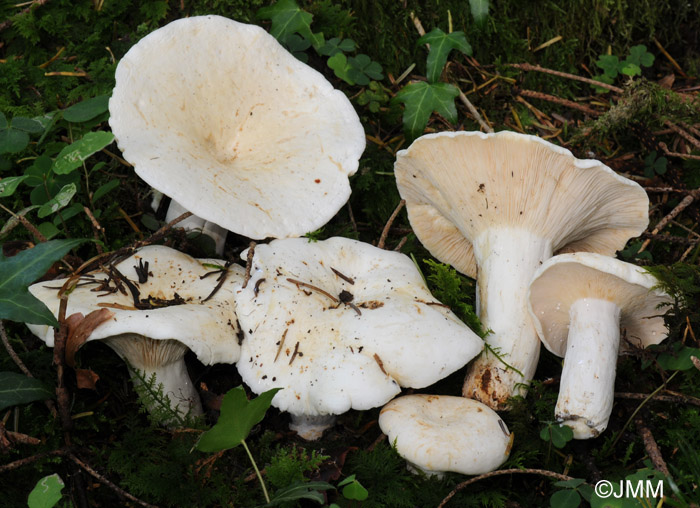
x: 311, y: 427
x: 165, y: 359
x: 507, y: 259
x: 587, y: 386
x: 195, y: 223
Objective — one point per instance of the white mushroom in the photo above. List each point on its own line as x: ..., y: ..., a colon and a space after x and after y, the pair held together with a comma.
x: 159, y: 313
x: 495, y: 206
x: 436, y: 434
x: 220, y: 117
x: 579, y: 302
x: 341, y: 324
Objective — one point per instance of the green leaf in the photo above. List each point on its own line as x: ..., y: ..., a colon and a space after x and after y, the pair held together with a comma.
x: 300, y: 490
x: 3, y: 121
x: 288, y: 18
x: 8, y: 185
x: 557, y: 434
x: 46, y: 493
x: 104, y: 189
x: 73, y: 156
x: 570, y: 484
x: 353, y: 489
x: 640, y: 56
x: 421, y: 99
x: 365, y: 65
x: 680, y: 360
x: 58, y: 201
x: 18, y: 272
x: 630, y: 69
x: 13, y: 140
x: 341, y: 67
x: 480, y: 10
x: 336, y: 45
x: 27, y: 125
x: 238, y: 416
x: 87, y: 110
x: 610, y: 65
x: 16, y: 389
x: 441, y: 44
x: 565, y: 499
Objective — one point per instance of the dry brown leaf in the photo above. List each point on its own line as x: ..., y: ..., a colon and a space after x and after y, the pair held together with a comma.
x: 86, y: 378
x: 80, y: 328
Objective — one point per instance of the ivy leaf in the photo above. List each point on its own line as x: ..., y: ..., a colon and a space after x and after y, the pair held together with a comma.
x: 18, y: 272
x: 73, y: 156
x: 59, y: 201
x: 46, y: 493
x: 421, y: 99
x: 87, y: 110
x: 610, y: 65
x: 238, y: 416
x: 300, y: 490
x: 16, y: 389
x: 480, y: 10
x: 441, y: 44
x: 8, y: 185
x: 288, y: 18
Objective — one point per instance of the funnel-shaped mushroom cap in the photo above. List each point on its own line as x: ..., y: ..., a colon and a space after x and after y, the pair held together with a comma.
x: 341, y: 324
x: 171, y: 301
x: 444, y: 433
x: 458, y: 184
x: 565, y: 279
x: 219, y: 116
x: 155, y: 321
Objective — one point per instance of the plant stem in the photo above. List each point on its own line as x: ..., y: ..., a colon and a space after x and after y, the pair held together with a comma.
x: 257, y: 471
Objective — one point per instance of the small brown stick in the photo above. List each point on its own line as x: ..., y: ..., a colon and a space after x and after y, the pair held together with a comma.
x: 689, y: 128
x: 298, y: 283
x: 347, y: 279
x: 537, y: 68
x: 130, y: 222
x: 560, y: 101
x: 30, y: 460
x: 673, y: 399
x: 59, y: 360
x: 387, y: 226
x: 35, y: 3
x: 541, y: 472
x: 27, y: 225
x: 685, y: 203
x: 401, y: 243
x: 380, y: 363
x: 651, y: 447
x: 106, y: 482
x: 352, y: 218
x: 162, y: 231
x: 418, y: 25
x: 670, y: 58
x: 294, y: 354
x: 668, y: 152
x: 474, y: 112
x: 249, y: 263
x: 690, y: 139
x: 96, y: 229
x: 11, y: 352
x: 221, y: 280
x: 279, y: 349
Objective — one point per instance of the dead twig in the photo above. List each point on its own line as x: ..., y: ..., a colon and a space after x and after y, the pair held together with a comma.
x: 249, y: 264
x: 559, y: 100
x: 685, y: 203
x: 690, y: 139
x: 96, y: 229
x: 671, y: 398
x: 651, y: 447
x: 387, y: 226
x: 537, y: 68
x: 540, y: 472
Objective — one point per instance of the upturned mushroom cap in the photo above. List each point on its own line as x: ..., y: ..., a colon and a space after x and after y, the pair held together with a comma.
x: 340, y: 324
x: 567, y: 278
x: 220, y: 117
x: 172, y: 317
x: 458, y: 184
x: 444, y: 433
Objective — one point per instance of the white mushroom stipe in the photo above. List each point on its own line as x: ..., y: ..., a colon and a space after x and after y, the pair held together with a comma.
x: 195, y: 223
x: 586, y: 390
x: 579, y: 304
x: 440, y: 433
x: 174, y: 315
x: 472, y: 197
x: 311, y: 428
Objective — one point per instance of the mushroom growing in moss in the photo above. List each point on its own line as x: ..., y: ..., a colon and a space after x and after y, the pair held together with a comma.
x: 496, y: 206
x: 579, y: 303
x: 164, y: 303
x: 340, y: 324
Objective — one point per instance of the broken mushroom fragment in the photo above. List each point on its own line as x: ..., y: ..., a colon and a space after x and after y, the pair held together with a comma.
x: 163, y: 302
x: 440, y: 433
x: 220, y: 117
x: 495, y: 206
x: 195, y: 223
x: 579, y: 303
x: 340, y: 324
